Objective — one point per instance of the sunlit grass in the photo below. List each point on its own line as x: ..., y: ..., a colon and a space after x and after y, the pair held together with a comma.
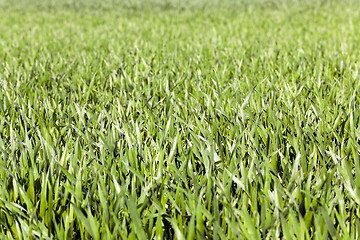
x: 183, y: 123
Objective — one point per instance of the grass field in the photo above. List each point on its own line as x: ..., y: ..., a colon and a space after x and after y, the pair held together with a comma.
x: 179, y: 120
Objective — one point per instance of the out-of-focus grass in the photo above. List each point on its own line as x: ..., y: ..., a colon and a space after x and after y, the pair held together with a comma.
x: 179, y: 123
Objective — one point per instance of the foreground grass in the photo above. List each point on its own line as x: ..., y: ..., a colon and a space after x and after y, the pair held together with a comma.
x: 180, y: 124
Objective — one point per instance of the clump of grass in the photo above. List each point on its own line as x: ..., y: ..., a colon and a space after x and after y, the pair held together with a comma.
x: 180, y: 124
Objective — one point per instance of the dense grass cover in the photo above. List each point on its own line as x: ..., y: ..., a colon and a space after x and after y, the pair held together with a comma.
x: 203, y: 122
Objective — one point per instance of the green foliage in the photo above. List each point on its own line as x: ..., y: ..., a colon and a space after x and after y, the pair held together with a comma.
x: 185, y: 123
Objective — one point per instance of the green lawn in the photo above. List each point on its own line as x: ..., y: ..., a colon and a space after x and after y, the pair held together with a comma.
x: 179, y: 120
